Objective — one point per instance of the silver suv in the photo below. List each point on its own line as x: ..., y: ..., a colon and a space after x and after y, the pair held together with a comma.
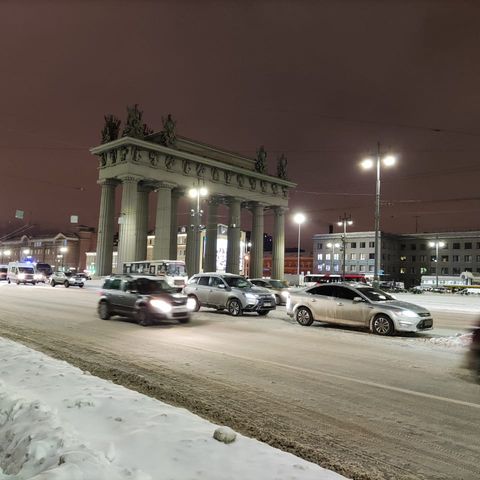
x: 227, y: 291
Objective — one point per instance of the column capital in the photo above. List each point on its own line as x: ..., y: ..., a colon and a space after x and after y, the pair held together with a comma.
x: 252, y: 206
x: 164, y: 185
x: 130, y: 178
x: 108, y: 182
x: 215, y: 200
x: 279, y: 210
x: 232, y: 200
x: 178, y: 192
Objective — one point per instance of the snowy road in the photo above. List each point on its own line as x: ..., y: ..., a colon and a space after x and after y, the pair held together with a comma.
x: 365, y: 406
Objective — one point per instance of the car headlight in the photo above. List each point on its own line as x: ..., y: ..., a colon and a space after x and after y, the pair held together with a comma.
x: 251, y: 298
x: 408, y: 313
x: 161, y: 305
x: 21, y: 276
x: 191, y: 304
x: 38, y: 276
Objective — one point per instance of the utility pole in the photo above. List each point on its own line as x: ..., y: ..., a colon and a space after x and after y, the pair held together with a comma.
x: 345, y: 220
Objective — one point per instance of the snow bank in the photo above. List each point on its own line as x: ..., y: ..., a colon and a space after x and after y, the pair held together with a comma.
x: 59, y: 423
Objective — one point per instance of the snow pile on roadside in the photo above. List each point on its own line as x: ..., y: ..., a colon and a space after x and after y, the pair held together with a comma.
x: 457, y: 341
x: 59, y: 423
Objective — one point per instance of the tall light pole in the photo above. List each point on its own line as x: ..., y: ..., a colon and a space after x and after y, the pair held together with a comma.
x: 387, y: 161
x: 333, y: 246
x: 344, y: 221
x: 197, y: 193
x: 63, y: 251
x: 299, y: 218
x: 437, y: 245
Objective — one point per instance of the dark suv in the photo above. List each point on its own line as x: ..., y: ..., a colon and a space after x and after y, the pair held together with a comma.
x: 145, y: 298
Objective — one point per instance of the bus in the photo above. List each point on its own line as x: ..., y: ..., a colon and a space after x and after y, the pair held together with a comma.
x: 314, y: 279
x: 172, y: 271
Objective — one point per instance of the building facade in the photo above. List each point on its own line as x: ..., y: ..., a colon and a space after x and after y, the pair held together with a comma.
x: 404, y: 258
x: 62, y: 251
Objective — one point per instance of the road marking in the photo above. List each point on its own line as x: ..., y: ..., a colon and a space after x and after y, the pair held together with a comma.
x: 342, y: 377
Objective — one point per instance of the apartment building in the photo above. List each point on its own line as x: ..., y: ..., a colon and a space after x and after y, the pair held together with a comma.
x: 404, y: 258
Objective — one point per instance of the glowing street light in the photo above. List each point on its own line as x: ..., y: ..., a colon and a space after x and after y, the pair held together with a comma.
x: 344, y: 221
x: 437, y: 245
x: 366, y: 164
x: 299, y: 218
x: 197, y: 193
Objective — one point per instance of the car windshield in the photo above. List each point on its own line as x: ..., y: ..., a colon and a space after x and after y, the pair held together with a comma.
x: 146, y: 286
x: 374, y: 294
x: 25, y: 269
x: 176, y: 269
x: 278, y: 284
x: 238, y: 282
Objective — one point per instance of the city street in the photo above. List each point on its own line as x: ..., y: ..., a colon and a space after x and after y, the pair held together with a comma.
x: 365, y: 406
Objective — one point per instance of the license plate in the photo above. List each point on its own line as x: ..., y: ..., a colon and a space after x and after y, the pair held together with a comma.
x: 267, y: 304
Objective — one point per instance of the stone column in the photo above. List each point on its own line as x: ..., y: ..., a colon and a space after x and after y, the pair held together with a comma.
x: 192, y: 240
x: 211, y: 236
x: 256, y: 253
x: 161, y: 249
x: 176, y: 194
x: 278, y: 253
x: 233, y: 236
x: 142, y: 221
x: 103, y: 262
x: 127, y: 241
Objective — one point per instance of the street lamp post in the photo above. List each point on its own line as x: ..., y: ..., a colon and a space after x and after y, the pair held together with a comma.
x: 344, y: 221
x: 197, y: 193
x: 368, y: 163
x: 437, y: 245
x: 63, y: 251
x: 299, y: 218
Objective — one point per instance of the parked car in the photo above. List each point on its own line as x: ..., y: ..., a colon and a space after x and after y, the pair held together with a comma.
x: 145, y: 298
x: 44, y: 270
x: 473, y: 355
x: 357, y: 305
x: 3, y: 272
x: 228, y: 291
x: 278, y: 287
x: 68, y: 280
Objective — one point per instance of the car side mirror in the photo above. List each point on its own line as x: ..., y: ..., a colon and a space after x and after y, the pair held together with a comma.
x: 221, y: 285
x: 358, y: 299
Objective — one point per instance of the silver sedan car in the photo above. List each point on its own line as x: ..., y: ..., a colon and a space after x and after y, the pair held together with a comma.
x: 357, y: 305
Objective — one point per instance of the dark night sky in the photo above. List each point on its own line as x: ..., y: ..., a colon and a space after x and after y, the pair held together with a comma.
x: 322, y: 81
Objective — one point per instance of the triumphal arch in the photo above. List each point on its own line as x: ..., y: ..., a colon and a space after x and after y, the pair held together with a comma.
x: 141, y: 161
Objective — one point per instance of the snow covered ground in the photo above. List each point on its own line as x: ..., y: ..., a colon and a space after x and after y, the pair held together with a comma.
x: 59, y: 423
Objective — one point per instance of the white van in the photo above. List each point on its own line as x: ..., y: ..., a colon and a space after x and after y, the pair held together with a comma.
x: 19, y: 272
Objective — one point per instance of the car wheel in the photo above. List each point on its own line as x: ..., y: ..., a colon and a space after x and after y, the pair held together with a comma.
x: 66, y: 283
x: 278, y: 300
x: 81, y: 285
x: 9, y: 281
x: 104, y: 310
x: 262, y: 313
x: 304, y: 316
x: 143, y: 316
x: 382, y: 325
x: 184, y: 320
x: 197, y: 303
x: 52, y: 283
x: 18, y: 283
x: 234, y: 307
